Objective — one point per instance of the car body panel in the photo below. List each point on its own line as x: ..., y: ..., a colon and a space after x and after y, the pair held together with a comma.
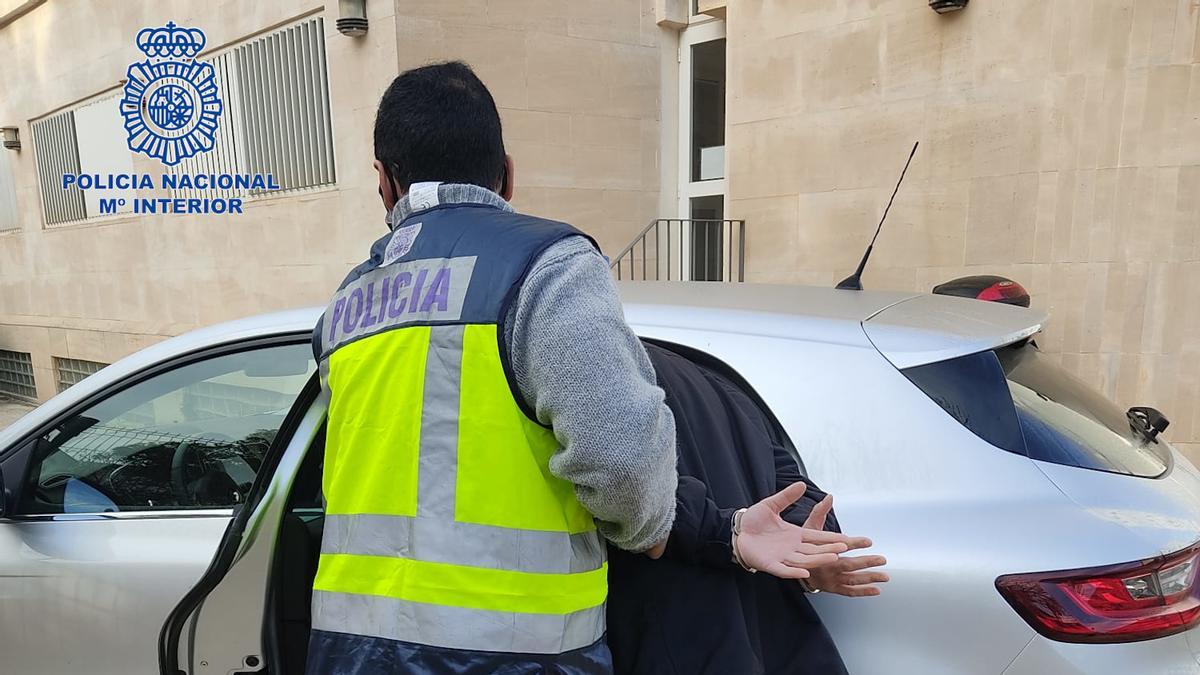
x: 1165, y: 656
x: 70, y: 584
x: 1164, y: 511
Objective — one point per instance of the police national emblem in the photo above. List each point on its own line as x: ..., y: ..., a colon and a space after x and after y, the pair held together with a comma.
x: 171, y: 103
x: 401, y: 242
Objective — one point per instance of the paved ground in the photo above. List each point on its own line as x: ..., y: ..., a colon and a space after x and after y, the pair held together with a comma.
x: 11, y: 410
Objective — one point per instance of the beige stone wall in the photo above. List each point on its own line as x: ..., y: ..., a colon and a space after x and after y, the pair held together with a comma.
x: 578, y: 86
x: 577, y: 83
x: 1060, y: 146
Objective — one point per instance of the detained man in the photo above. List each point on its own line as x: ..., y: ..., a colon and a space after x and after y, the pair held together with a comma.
x: 750, y: 541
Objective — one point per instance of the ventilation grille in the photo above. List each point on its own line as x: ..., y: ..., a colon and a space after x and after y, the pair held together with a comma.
x: 16, y: 375
x: 72, y: 371
x: 276, y: 120
x: 57, y: 153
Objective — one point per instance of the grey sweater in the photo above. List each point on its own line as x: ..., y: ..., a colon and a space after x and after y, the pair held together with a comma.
x: 586, y: 375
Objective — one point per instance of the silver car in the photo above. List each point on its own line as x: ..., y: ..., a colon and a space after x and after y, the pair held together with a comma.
x: 164, y: 515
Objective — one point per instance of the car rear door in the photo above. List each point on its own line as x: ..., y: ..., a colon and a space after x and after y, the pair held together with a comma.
x: 118, y: 503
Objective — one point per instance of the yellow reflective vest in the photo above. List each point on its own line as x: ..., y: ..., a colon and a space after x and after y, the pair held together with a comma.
x: 444, y: 525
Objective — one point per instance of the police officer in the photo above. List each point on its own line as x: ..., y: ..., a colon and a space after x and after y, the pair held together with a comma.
x: 491, y: 417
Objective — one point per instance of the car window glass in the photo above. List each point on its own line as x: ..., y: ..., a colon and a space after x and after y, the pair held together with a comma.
x: 191, y: 437
x: 1019, y: 400
x: 972, y: 390
x: 1065, y: 421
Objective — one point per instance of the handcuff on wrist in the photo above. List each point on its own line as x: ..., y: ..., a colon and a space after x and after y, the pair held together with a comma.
x: 736, y: 527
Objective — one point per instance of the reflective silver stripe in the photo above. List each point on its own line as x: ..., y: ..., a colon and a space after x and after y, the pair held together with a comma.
x: 463, y: 544
x: 437, y: 472
x: 323, y: 372
x: 417, y: 291
x: 456, y: 627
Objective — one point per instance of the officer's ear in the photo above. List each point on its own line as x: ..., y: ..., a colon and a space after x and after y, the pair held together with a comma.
x: 506, y: 181
x: 388, y: 191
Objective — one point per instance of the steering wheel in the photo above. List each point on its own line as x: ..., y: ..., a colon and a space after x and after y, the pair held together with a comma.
x: 213, y: 488
x: 179, y: 461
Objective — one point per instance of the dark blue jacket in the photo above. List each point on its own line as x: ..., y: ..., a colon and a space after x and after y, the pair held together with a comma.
x: 695, y: 611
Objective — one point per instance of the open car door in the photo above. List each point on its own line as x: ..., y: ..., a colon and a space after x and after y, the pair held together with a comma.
x: 224, y: 623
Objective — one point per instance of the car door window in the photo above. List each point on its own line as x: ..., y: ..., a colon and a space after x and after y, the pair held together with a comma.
x: 192, y: 437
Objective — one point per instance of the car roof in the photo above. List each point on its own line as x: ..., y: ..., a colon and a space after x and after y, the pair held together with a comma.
x: 720, y: 299
x: 908, y: 328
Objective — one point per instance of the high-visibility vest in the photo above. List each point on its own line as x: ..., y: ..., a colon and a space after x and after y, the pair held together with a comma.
x: 444, y: 525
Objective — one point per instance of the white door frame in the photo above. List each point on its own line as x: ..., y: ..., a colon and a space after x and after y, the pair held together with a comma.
x: 701, y: 29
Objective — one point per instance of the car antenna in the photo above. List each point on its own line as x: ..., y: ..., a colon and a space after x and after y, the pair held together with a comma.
x: 854, y: 281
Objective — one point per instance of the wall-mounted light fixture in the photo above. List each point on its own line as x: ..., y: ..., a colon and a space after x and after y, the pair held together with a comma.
x: 352, y: 17
x: 945, y: 6
x: 12, y: 138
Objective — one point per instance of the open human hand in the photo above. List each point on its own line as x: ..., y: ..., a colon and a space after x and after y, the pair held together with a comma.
x: 768, y: 543
x: 848, y: 575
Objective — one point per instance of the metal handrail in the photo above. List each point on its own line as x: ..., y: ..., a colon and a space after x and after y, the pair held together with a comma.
x: 694, y: 253
x: 636, y: 238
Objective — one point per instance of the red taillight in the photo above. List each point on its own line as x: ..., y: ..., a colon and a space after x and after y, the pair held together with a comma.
x: 1004, y: 291
x: 1119, y: 603
x: 985, y: 287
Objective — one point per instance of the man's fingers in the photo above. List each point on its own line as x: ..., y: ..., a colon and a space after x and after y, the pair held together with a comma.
x: 862, y: 562
x: 855, y: 543
x: 857, y: 591
x: 810, y: 561
x: 786, y: 571
x: 864, y: 578
x: 823, y: 537
x: 785, y: 497
x: 813, y: 549
x: 816, y: 519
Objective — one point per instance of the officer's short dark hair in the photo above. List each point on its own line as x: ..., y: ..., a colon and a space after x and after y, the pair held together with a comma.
x: 439, y: 123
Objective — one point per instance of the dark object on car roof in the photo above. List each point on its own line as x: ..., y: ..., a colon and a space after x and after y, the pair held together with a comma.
x: 986, y: 287
x: 946, y: 6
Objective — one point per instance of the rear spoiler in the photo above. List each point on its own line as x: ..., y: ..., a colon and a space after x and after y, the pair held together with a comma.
x: 931, y: 328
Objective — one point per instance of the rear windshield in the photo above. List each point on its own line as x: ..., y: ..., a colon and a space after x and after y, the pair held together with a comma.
x: 1019, y: 400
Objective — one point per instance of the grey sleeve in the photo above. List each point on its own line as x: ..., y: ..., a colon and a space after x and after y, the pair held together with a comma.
x: 587, y: 376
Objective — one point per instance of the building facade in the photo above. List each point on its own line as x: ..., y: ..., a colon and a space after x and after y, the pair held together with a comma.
x: 80, y: 285
x: 1059, y: 147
